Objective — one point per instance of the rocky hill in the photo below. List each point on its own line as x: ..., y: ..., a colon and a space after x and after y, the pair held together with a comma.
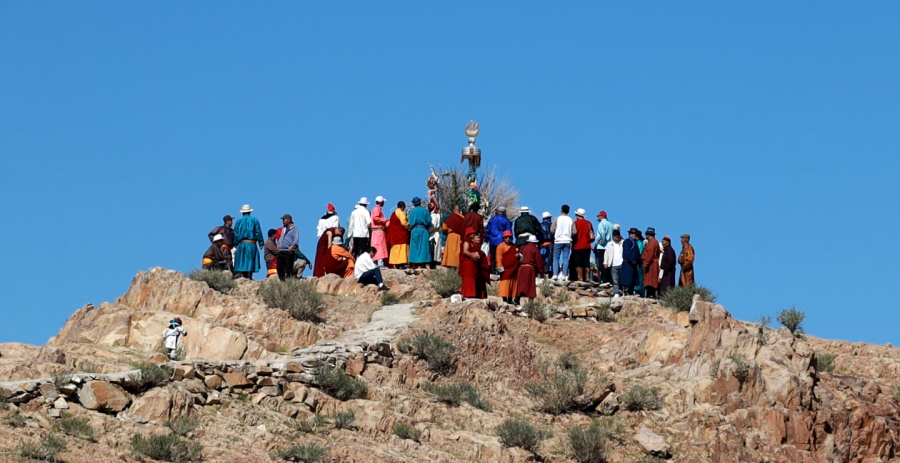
x: 694, y: 386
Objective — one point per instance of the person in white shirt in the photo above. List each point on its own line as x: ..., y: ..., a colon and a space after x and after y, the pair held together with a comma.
x: 170, y: 337
x: 329, y: 220
x: 563, y: 228
x: 358, y: 227
x: 612, y: 260
x: 367, y: 272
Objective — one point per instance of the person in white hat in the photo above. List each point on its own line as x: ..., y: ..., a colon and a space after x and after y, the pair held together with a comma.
x: 526, y: 224
x: 358, y: 227
x: 218, y: 256
x: 378, y: 227
x: 581, y: 248
x: 248, y: 240
x: 530, y: 266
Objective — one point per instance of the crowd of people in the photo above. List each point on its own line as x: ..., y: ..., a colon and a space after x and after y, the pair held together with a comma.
x: 522, y: 251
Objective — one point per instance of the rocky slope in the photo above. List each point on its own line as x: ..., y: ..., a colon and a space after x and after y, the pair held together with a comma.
x: 729, y: 390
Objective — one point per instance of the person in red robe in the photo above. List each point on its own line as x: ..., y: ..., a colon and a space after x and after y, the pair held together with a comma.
x: 323, y: 250
x: 474, y: 267
x: 531, y: 264
x: 508, y: 266
x: 398, y: 237
x: 474, y: 220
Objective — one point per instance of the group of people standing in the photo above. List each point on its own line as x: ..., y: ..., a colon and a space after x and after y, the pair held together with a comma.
x: 521, y: 250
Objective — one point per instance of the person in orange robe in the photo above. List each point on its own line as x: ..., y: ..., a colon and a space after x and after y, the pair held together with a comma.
x: 474, y: 267
x: 686, y: 260
x: 341, y: 262
x: 531, y: 264
x: 398, y: 237
x: 322, y: 253
x: 507, y: 264
x: 453, y: 227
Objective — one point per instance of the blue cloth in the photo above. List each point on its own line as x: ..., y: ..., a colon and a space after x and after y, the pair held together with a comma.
x: 561, y: 254
x: 290, y: 238
x: 420, y: 223
x: 495, y: 228
x: 640, y: 283
x: 246, y: 254
x: 444, y: 235
x: 604, y: 233
x: 546, y: 234
x: 630, y: 257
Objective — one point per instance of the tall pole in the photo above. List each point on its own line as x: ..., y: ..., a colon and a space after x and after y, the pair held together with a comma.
x: 473, y: 155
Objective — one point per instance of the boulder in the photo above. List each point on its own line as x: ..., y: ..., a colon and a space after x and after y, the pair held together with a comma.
x: 652, y: 443
x: 104, y: 397
x: 154, y: 405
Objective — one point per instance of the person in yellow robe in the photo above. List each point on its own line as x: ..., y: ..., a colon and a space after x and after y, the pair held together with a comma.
x: 398, y: 237
x: 453, y: 227
x: 507, y: 264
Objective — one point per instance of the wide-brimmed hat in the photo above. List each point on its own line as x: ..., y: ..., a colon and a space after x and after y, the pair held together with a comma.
x: 416, y: 201
x: 218, y: 237
x: 634, y: 230
x: 507, y: 233
x: 364, y: 201
x: 246, y: 208
x: 227, y: 218
x: 379, y: 199
x: 337, y: 240
x: 580, y: 212
x: 532, y: 238
x: 524, y: 210
x: 546, y: 215
x: 650, y: 231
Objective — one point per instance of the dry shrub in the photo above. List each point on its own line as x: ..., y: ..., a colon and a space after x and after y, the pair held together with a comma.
x: 405, y: 431
x: 445, y: 281
x: 340, y: 384
x: 680, y: 298
x: 166, y: 447
x: 219, y: 280
x: 435, y: 350
x: 514, y: 432
x: 591, y: 444
x: 44, y: 449
x: 300, y: 298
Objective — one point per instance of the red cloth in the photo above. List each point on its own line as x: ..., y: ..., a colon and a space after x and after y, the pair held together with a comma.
x: 323, y: 256
x: 510, y: 261
x: 475, y: 274
x: 396, y: 232
x: 529, y: 266
x: 456, y: 223
x: 476, y: 221
x: 583, y: 232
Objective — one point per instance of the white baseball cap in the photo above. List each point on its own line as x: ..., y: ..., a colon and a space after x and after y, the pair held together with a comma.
x: 379, y: 199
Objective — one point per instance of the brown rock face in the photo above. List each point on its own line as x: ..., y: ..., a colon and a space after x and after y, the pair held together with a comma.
x: 103, y: 396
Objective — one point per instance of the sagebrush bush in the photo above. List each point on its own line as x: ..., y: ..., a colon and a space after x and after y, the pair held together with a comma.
x: 76, y: 427
x: 605, y: 313
x: 680, y: 298
x: 306, y: 453
x: 516, y: 432
x: 536, y: 309
x: 309, y: 426
x: 456, y: 393
x: 562, y: 296
x: 792, y: 319
x: 166, y: 447
x: 446, y: 282
x: 895, y: 392
x: 344, y: 420
x: 340, y: 384
x: 435, y: 350
x: 182, y: 426
x: 150, y: 375
x: 763, y: 335
x: 547, y: 288
x: 88, y: 367
x: 389, y: 299
x: 219, y: 280
x: 714, y: 369
x: 825, y: 362
x: 16, y: 419
x: 591, y: 444
x: 44, y: 449
x: 641, y: 398
x: 405, y: 431
x: 741, y: 367
x: 562, y: 387
x: 60, y: 379
x: 300, y: 298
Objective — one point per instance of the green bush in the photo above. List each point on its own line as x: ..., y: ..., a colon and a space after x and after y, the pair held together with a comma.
x: 306, y: 453
x: 300, y: 298
x: 16, y: 419
x: 641, y: 398
x: 344, y: 420
x: 60, y: 379
x: 562, y: 296
x: 547, y: 288
x: 76, y: 427
x: 446, y: 282
x: 44, y: 449
x: 536, y: 310
x: 405, y: 431
x: 435, y: 350
x: 310, y: 425
x: 762, y: 335
x: 516, y: 432
x: 182, y: 426
x: 825, y: 362
x: 792, y: 320
x: 562, y: 387
x: 591, y: 444
x: 680, y: 298
x: 167, y: 447
x: 389, y: 299
x: 456, y: 393
x: 605, y: 313
x: 340, y: 384
x: 895, y: 392
x: 741, y: 367
x: 219, y: 280
x: 150, y: 375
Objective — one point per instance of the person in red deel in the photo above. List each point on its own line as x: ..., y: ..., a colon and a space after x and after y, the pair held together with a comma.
x: 474, y: 267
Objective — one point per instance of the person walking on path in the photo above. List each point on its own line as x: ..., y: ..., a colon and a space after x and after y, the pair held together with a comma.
x: 170, y: 337
x: 650, y: 260
x: 453, y: 226
x: 639, y: 287
x: 379, y: 231
x: 271, y: 254
x: 287, y: 243
x: 474, y: 267
x: 581, y: 249
x: 493, y: 233
x: 667, y: 261
x: 604, y: 236
x: 475, y: 220
x: 398, y: 237
x: 358, y: 227
x: 218, y: 256
x: 420, y: 224
x: 563, y: 228
x: 507, y: 264
x: 526, y: 225
x: 367, y: 272
x: 530, y: 266
x: 631, y: 256
x: 328, y: 221
x: 686, y: 260
x: 545, y: 238
x: 323, y: 249
x: 612, y: 261
x: 249, y: 240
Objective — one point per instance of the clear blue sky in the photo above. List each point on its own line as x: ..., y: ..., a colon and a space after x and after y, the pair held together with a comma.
x: 767, y: 130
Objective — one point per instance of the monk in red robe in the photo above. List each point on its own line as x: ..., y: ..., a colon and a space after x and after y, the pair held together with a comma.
x: 531, y: 264
x: 475, y: 220
x: 323, y: 247
x: 398, y: 237
x: 508, y: 265
x: 474, y: 267
x: 340, y: 262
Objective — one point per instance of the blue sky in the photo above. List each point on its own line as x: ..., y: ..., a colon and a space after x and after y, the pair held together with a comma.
x: 767, y: 130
